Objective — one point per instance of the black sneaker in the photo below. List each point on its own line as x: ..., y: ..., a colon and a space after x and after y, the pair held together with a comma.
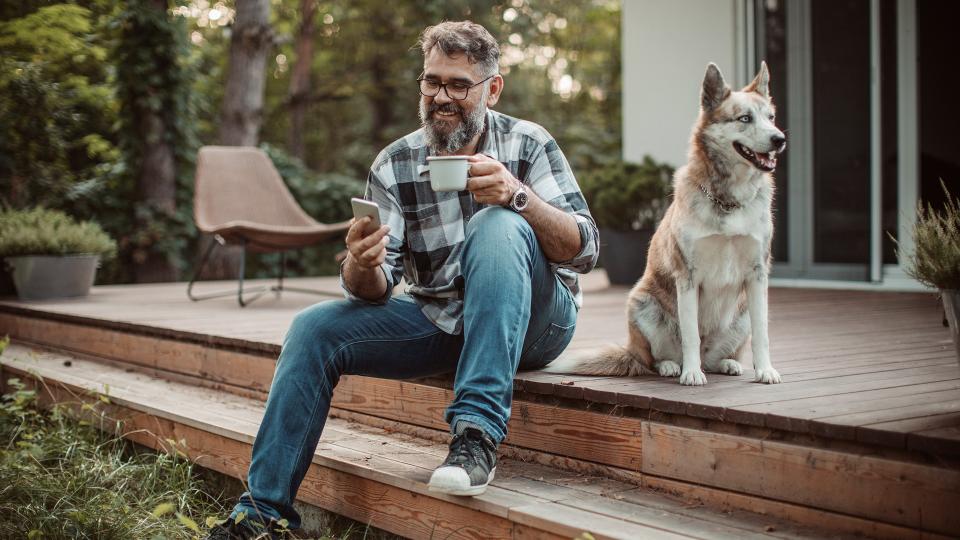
x: 469, y: 466
x: 249, y: 530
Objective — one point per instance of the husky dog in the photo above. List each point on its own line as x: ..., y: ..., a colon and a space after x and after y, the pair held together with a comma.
x: 704, y: 291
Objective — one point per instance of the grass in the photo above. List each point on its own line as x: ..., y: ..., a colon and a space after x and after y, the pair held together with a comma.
x: 61, y: 477
x: 65, y: 475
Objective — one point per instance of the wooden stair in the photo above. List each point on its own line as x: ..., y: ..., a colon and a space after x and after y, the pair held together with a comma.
x: 574, y: 461
x: 375, y: 475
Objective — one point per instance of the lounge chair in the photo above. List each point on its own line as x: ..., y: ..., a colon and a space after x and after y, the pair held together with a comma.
x: 241, y: 199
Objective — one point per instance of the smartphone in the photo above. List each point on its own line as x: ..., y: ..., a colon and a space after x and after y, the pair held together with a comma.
x: 362, y: 208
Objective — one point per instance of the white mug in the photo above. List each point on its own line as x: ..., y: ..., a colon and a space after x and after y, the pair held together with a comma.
x: 448, y: 173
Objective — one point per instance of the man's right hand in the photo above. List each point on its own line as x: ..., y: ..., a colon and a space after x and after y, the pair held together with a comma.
x: 367, y: 251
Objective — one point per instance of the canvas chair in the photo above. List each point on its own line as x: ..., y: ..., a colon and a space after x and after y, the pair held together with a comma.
x: 241, y: 199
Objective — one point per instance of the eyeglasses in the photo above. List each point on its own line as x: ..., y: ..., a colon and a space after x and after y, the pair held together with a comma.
x: 455, y: 90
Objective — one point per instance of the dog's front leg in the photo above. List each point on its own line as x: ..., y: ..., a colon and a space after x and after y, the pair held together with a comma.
x: 687, y: 304
x: 757, y: 306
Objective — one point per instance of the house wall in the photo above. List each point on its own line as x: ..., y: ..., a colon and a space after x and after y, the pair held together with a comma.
x: 666, y: 48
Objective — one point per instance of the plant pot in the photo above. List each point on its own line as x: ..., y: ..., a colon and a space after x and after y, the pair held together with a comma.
x: 623, y: 254
x: 41, y: 277
x: 951, y: 305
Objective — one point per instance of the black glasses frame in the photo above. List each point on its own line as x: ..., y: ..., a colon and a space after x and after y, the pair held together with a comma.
x: 443, y: 87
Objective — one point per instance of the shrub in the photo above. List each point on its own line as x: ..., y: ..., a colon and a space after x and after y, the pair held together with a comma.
x: 50, y: 232
x: 936, y: 236
x: 627, y: 196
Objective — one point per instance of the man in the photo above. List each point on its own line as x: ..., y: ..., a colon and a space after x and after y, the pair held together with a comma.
x: 491, y: 273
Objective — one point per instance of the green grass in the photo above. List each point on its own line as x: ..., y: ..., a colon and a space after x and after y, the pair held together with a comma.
x: 66, y: 476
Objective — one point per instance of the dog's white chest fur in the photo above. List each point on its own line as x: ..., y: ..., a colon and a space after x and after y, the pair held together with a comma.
x: 720, y: 260
x: 725, y: 249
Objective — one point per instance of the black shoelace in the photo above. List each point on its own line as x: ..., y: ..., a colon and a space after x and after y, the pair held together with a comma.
x: 466, y: 447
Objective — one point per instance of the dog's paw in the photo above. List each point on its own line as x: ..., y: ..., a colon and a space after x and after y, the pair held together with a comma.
x: 767, y: 376
x: 729, y: 366
x: 693, y: 378
x: 668, y: 368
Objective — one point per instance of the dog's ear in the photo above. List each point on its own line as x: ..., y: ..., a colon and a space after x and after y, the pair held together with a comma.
x: 714, y: 90
x: 761, y: 83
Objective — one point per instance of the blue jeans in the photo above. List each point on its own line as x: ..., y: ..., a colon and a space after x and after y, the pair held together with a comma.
x: 517, y: 314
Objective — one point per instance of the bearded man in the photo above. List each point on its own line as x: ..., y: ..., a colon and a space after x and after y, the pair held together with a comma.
x: 491, y: 273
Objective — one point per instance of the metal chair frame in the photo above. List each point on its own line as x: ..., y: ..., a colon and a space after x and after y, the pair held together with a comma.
x: 256, y: 292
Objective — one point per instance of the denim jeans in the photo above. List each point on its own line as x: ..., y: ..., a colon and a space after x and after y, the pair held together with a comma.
x: 517, y: 314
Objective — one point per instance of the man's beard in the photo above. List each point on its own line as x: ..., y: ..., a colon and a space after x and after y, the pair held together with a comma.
x: 442, y: 142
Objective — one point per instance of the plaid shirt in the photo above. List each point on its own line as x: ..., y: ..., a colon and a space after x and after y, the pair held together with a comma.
x: 427, y: 227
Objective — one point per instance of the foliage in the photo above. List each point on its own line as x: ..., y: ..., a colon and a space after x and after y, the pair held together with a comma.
x: 51, y: 232
x: 60, y: 478
x: 154, y: 74
x: 56, y: 106
x: 936, y: 236
x: 627, y: 196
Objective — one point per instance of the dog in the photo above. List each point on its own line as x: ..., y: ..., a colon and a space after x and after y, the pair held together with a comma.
x: 703, y: 294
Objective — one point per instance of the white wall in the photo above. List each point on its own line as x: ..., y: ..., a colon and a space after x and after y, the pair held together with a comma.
x: 666, y: 47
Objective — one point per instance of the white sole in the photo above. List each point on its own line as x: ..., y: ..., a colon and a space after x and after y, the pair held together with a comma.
x: 468, y: 492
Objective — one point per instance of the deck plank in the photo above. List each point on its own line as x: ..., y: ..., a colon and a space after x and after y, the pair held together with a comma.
x: 841, y: 352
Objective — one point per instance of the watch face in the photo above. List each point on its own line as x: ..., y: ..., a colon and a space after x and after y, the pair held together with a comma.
x: 520, y: 200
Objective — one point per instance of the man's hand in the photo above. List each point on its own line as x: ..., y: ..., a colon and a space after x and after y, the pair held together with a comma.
x: 367, y: 251
x: 490, y: 182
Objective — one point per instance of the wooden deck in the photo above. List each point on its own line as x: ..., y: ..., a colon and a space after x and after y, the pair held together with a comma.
x: 863, y: 437
x: 872, y: 367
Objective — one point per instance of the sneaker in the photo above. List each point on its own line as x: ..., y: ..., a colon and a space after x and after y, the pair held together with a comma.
x: 249, y: 530
x: 469, y: 466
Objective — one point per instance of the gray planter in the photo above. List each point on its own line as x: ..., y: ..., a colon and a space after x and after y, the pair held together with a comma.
x: 951, y: 304
x: 624, y: 254
x: 40, y: 277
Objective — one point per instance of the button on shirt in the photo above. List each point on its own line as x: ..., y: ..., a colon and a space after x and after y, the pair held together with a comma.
x: 427, y: 228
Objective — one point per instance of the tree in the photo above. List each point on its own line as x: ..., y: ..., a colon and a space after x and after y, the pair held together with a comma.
x: 153, y: 87
x: 251, y: 41
x: 300, y: 79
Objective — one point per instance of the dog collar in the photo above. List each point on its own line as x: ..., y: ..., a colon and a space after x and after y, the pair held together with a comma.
x: 724, y: 207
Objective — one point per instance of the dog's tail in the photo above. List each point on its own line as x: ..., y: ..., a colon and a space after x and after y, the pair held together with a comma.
x: 612, y: 361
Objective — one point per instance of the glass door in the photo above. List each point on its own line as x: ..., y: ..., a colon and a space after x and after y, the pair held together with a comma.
x: 823, y: 55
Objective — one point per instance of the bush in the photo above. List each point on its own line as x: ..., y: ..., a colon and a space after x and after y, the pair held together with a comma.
x: 627, y: 196
x: 936, y: 236
x: 50, y: 232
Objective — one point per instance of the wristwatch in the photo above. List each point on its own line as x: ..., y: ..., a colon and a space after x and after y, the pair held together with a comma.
x: 519, y: 200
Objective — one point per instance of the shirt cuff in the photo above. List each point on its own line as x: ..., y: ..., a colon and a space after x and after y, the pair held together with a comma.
x: 348, y: 294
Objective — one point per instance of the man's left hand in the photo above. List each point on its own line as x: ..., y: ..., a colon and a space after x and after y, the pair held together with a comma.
x: 490, y: 182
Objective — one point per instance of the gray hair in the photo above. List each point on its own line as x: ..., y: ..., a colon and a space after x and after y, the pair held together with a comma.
x: 463, y: 37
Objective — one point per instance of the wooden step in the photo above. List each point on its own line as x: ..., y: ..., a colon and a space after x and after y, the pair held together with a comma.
x: 376, y: 476
x: 844, y: 485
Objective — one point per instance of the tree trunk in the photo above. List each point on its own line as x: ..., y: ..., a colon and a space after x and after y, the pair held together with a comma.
x: 241, y: 115
x: 156, y: 181
x: 250, y: 43
x: 300, y: 83
x: 382, y: 99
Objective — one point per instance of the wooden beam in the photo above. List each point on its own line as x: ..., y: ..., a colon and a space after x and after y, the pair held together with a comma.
x: 912, y: 495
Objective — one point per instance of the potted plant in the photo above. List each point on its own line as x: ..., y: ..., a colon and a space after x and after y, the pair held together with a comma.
x: 627, y: 200
x: 49, y: 254
x: 935, y: 261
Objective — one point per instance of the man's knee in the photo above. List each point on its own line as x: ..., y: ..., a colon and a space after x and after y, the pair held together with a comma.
x: 499, y: 225
x: 315, y: 332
